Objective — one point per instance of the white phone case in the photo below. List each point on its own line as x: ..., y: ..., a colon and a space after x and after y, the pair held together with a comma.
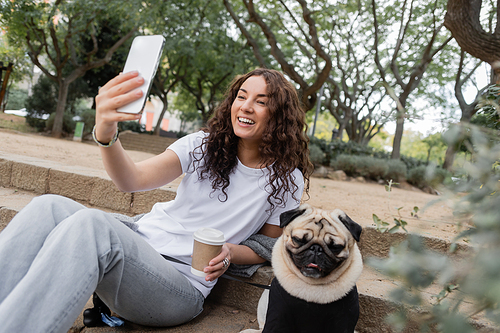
x: 144, y: 57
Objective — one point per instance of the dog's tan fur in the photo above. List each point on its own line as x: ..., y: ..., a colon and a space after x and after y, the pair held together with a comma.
x: 318, y: 290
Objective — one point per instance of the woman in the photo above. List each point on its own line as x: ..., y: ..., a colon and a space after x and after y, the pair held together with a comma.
x: 246, y: 168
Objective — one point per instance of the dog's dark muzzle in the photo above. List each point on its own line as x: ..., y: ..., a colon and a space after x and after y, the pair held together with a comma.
x: 315, y: 262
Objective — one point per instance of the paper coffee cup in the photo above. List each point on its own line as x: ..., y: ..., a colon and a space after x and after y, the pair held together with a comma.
x: 206, y: 246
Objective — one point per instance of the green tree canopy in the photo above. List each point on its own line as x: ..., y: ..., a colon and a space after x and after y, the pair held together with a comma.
x: 199, y: 59
x: 403, y: 59
x: 295, y: 34
x: 54, y: 35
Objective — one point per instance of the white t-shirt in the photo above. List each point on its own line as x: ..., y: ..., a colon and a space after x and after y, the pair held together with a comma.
x: 170, y: 226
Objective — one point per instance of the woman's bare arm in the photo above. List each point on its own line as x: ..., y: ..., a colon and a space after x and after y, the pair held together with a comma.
x: 127, y: 175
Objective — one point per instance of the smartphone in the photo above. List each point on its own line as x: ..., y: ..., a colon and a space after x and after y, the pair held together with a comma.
x: 144, y: 57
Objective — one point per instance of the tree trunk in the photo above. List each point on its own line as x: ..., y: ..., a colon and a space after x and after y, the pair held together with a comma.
x: 205, y: 116
x: 452, y: 149
x: 468, y: 110
x: 449, y: 157
x: 61, y: 105
x: 428, y: 155
x: 495, y: 75
x: 463, y: 20
x: 398, y: 135
x: 5, y: 81
x: 160, y: 119
x: 342, y: 127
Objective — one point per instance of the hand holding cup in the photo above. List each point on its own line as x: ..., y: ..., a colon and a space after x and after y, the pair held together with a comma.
x: 206, y: 246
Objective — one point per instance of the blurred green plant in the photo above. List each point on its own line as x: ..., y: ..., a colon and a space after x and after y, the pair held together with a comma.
x: 88, y: 118
x: 333, y: 149
x: 316, y: 155
x: 68, y: 123
x: 377, y: 169
x: 133, y: 126
x: 424, y: 176
x: 474, y: 280
x: 16, y: 99
x: 399, y: 223
x: 396, y: 170
x: 488, y: 114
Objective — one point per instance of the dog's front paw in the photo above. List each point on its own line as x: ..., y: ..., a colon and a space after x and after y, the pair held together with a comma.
x: 251, y: 331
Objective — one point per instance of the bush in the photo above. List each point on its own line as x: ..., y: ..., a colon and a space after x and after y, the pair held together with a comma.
x: 68, y: 123
x: 438, y: 176
x: 133, y: 126
x: 16, y: 99
x: 316, y: 155
x: 371, y: 167
x: 423, y: 176
x: 43, y: 100
x: 366, y: 166
x: 416, y: 177
x: 396, y: 170
x: 345, y: 163
x: 382, y: 154
x: 88, y: 118
x: 336, y: 148
x: 37, y: 123
x: 411, y: 162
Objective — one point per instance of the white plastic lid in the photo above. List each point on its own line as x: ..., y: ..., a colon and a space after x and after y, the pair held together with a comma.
x: 209, y: 236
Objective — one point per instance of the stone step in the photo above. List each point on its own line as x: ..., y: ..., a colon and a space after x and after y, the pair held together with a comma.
x: 88, y: 186
x: 22, y: 178
x: 215, y: 318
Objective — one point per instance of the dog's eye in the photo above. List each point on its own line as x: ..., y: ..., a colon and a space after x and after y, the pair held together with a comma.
x: 299, y: 241
x: 336, y: 248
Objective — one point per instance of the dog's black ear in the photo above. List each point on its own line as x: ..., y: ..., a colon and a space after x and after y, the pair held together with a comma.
x: 289, y: 215
x: 352, y: 226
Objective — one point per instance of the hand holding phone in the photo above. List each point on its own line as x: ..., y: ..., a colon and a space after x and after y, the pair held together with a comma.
x: 144, y: 57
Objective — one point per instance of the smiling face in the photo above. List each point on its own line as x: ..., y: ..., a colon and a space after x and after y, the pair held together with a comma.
x: 249, y: 111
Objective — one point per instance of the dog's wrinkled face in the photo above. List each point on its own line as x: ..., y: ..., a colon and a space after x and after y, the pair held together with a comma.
x: 318, y: 241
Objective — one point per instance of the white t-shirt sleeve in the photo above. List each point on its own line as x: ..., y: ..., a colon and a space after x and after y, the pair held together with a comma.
x: 185, y: 147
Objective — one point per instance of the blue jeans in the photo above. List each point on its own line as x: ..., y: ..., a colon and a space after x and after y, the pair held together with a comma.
x: 55, y: 253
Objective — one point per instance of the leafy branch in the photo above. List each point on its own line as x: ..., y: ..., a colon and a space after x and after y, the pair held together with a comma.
x: 399, y: 223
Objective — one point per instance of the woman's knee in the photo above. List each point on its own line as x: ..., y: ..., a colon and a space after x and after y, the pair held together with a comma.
x: 89, y: 221
x: 41, y: 214
x: 50, y: 201
x: 46, y: 200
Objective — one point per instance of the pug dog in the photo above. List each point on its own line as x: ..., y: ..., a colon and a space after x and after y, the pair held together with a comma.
x: 316, y: 263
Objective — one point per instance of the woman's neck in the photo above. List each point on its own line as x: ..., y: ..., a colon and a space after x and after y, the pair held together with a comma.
x: 249, y: 156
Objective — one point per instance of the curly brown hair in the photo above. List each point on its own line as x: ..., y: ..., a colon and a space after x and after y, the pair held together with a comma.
x: 284, y: 145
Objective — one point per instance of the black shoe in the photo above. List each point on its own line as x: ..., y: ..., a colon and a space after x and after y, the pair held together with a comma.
x: 92, y: 317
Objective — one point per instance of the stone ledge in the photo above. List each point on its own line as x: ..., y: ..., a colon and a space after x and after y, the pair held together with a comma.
x: 85, y: 185
x: 376, y: 244
x: 6, y: 214
x: 241, y: 295
x: 29, y: 177
x: 72, y: 185
x: 5, y: 172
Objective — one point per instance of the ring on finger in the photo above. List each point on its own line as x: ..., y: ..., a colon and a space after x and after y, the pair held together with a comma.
x: 225, y: 263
